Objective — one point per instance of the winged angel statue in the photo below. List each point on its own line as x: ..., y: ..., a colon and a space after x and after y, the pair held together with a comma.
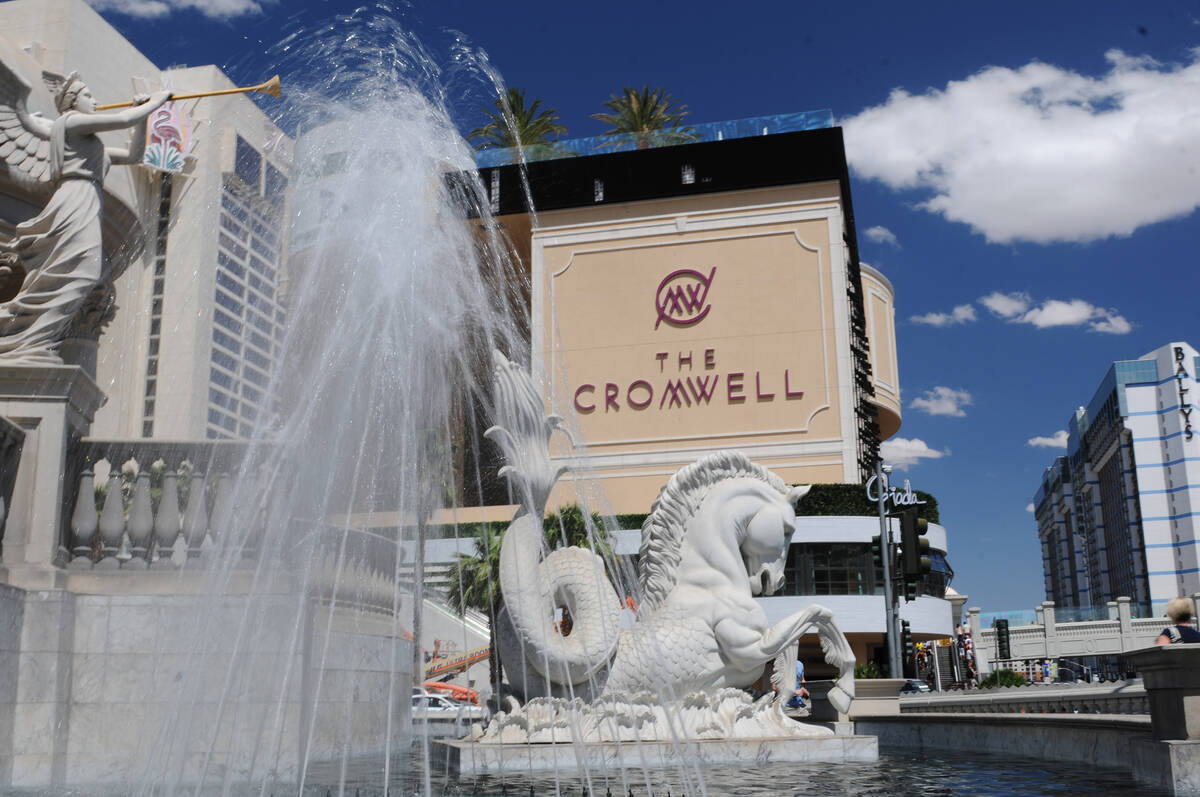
x: 54, y: 260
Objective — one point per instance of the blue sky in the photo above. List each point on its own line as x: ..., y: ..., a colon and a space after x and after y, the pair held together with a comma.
x: 1026, y: 174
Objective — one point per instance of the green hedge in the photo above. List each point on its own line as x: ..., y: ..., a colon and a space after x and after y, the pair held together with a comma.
x: 851, y: 500
x: 1002, y: 678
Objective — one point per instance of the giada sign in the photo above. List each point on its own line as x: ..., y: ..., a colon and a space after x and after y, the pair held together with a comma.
x: 892, y: 495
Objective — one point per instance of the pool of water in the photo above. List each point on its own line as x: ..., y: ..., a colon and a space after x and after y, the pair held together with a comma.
x: 898, y: 772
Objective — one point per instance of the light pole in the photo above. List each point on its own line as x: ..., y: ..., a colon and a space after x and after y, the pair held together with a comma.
x: 889, y: 594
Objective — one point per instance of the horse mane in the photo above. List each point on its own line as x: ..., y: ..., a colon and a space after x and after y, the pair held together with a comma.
x: 676, y: 504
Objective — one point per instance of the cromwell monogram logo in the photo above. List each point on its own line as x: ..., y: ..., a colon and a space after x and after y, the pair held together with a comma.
x: 682, y: 297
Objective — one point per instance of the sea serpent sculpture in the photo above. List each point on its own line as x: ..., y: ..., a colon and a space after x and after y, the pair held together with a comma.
x: 717, y: 537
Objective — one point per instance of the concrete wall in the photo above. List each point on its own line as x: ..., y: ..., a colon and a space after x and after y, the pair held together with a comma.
x: 12, y: 614
x: 123, y: 689
x: 1100, y: 740
x: 772, y: 357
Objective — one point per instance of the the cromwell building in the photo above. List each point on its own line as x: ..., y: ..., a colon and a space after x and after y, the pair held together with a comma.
x: 706, y: 296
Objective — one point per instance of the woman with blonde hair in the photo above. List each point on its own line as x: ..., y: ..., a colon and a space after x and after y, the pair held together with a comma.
x: 1180, y: 611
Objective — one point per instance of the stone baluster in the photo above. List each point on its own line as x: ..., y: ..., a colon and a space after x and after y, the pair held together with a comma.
x: 112, y: 522
x: 346, y: 581
x: 1049, y: 630
x: 141, y: 523
x: 84, y: 522
x: 326, y: 572
x: 195, y: 520
x: 166, y: 522
x: 220, y: 524
x: 382, y: 593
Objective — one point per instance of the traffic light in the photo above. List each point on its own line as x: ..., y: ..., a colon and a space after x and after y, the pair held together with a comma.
x: 877, y: 552
x: 913, y: 545
x: 913, y: 564
x: 1003, y: 650
x: 908, y: 653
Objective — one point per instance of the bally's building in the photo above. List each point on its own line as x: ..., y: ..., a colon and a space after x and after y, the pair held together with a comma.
x: 1119, y: 515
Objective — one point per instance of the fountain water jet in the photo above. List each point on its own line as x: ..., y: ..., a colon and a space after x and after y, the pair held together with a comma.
x: 297, y: 651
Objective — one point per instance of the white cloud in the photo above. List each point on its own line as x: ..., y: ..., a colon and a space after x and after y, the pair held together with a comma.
x: 882, y: 235
x: 1006, y: 305
x: 218, y: 9
x: 959, y: 315
x: 943, y: 401
x: 1057, y: 440
x: 1040, y: 153
x: 905, y: 453
x: 1030, y: 507
x: 1108, y: 321
x: 1017, y: 307
x: 1057, y: 313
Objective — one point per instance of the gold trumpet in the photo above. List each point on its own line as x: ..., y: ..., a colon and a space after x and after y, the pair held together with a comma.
x: 270, y: 87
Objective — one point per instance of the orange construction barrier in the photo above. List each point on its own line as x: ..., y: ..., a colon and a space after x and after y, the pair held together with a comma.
x: 455, y: 691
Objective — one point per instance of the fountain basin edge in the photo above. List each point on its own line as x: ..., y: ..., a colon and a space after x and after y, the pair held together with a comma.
x: 467, y: 758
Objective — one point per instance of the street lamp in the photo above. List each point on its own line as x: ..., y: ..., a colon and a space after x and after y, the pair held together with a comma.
x: 885, y: 537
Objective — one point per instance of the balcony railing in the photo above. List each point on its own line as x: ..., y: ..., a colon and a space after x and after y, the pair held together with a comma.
x: 156, y: 506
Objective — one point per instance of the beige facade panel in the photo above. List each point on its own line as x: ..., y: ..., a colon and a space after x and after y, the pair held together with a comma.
x: 669, y: 329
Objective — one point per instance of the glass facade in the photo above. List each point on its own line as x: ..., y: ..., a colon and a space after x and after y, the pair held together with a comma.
x: 248, y: 314
x: 831, y: 569
x: 847, y: 568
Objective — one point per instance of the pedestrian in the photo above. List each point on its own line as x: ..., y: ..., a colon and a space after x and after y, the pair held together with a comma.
x: 1180, y: 612
x: 797, y: 699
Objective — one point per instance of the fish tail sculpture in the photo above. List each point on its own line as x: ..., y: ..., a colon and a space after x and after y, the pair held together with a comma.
x: 540, y: 660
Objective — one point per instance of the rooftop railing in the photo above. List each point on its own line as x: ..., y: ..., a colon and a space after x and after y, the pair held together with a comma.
x: 687, y: 134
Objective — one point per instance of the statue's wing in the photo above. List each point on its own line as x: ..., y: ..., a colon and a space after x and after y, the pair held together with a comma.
x: 24, y: 140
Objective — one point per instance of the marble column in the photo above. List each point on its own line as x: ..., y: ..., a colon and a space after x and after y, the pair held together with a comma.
x: 54, y: 405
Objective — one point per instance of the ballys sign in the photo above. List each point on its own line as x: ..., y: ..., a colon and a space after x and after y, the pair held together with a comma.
x: 685, y: 378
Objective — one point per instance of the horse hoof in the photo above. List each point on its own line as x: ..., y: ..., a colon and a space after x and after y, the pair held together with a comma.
x: 838, y: 698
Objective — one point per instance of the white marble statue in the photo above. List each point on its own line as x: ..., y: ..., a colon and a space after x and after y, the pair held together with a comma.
x: 717, y: 537
x: 56, y: 257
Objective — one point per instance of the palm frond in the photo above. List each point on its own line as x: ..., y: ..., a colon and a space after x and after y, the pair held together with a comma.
x: 651, y: 116
x: 512, y: 123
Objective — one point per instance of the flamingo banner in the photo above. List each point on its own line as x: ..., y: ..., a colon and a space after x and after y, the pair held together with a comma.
x: 168, y: 139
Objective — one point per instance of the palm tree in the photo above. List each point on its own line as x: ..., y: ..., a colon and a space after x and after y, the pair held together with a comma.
x: 513, y: 124
x: 475, y: 578
x: 475, y: 584
x: 652, y: 116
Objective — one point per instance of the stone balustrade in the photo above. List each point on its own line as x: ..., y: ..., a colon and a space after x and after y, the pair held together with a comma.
x: 162, y: 503
x: 1050, y: 639
x: 356, y: 582
x: 1121, y: 697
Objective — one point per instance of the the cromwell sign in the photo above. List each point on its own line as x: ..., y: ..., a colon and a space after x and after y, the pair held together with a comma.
x: 682, y: 379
